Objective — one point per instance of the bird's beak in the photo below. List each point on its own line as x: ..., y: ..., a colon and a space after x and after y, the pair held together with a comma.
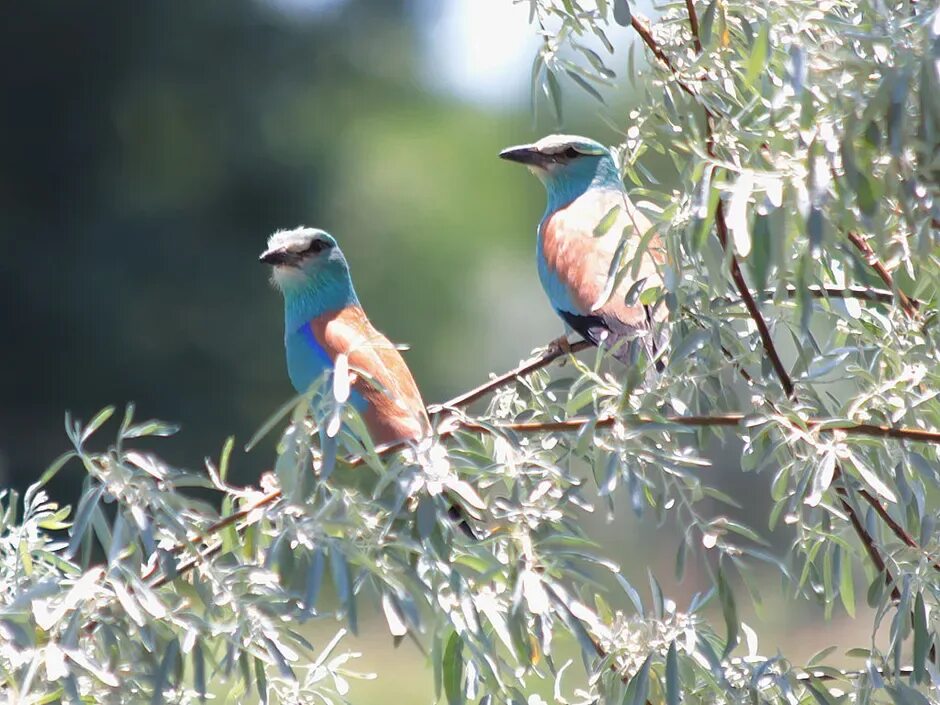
x: 274, y: 257
x: 524, y: 154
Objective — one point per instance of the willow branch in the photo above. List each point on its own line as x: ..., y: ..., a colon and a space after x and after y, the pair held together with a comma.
x: 851, y: 292
x: 641, y: 27
x: 861, y: 244
x: 737, y: 276
x: 723, y: 420
x: 693, y: 24
x: 529, y: 366
x: 866, y: 538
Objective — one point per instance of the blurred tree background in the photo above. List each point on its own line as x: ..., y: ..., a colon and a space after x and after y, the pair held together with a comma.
x: 148, y: 151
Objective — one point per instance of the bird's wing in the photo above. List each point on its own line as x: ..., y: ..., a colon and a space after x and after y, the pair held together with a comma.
x: 581, y: 261
x: 395, y: 409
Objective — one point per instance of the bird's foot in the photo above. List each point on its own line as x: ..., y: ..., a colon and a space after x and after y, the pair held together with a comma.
x: 559, y: 346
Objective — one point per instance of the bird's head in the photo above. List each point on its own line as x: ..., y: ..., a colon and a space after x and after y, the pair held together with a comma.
x: 306, y: 260
x: 567, y: 163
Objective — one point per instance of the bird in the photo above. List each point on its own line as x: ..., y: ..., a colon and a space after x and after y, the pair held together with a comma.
x: 324, y: 319
x: 587, y: 217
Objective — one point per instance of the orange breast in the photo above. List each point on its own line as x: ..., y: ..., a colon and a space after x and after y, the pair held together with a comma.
x: 582, y: 261
x: 395, y: 409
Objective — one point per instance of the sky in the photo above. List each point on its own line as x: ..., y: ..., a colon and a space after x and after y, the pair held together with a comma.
x: 474, y: 51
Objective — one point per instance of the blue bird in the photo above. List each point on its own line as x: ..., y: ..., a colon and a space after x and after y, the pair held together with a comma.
x: 579, y: 244
x: 323, y: 319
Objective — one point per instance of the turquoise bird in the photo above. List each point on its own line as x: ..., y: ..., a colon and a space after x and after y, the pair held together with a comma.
x: 323, y: 319
x: 590, y: 230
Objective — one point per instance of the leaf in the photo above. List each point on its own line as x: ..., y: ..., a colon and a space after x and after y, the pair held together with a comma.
x: 656, y: 595
x: 691, y: 343
x: 622, y: 14
x: 396, y: 623
x: 729, y: 612
x: 535, y: 595
x: 225, y: 457
x: 314, y: 580
x: 708, y: 20
x: 631, y: 593
x: 673, y: 692
x: 341, y: 379
x: 452, y: 665
x: 847, y: 585
x: 921, y: 639
x: 199, y: 671
x: 342, y: 581
x: 758, y: 58
x: 151, y: 428
x: 163, y: 675
x: 96, y: 422
x: 822, y: 479
x: 588, y: 88
x: 640, y: 684
x: 466, y: 492
x: 49, y: 473
x: 737, y: 213
x: 86, y: 508
x: 615, y: 273
x: 553, y: 92
x: 261, y: 681
x: 875, y: 482
x: 605, y: 223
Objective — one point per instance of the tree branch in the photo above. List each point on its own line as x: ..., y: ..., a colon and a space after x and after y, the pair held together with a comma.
x: 527, y: 367
x: 835, y: 292
x: 724, y: 420
x: 867, y: 541
x: 693, y: 24
x: 641, y: 27
x: 721, y: 229
x: 907, y: 305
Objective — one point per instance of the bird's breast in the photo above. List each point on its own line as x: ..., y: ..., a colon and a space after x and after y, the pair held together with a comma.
x: 575, y: 262
x: 306, y: 358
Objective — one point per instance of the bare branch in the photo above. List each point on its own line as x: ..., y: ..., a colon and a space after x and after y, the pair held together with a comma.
x: 693, y: 23
x: 908, y: 306
x: 527, y: 367
x: 721, y: 228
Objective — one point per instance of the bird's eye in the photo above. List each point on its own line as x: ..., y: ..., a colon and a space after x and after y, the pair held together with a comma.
x: 570, y: 153
x: 317, y: 246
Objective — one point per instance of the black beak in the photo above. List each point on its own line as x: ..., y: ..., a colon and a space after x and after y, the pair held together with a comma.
x: 275, y: 257
x: 524, y: 154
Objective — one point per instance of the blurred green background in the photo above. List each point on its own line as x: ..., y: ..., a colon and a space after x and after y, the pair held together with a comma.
x: 148, y: 149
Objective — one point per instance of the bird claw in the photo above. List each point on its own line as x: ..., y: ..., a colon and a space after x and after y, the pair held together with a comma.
x: 559, y: 346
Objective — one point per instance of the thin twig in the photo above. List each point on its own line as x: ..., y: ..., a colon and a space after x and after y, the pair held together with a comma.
x: 641, y: 26
x: 851, y: 292
x: 721, y: 229
x: 867, y: 540
x: 536, y: 363
x: 693, y: 23
x: 723, y: 420
x: 871, y: 258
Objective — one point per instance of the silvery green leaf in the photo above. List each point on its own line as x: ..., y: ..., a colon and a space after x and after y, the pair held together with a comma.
x: 729, y: 612
x: 622, y: 14
x: 605, y: 223
x: 615, y: 273
x: 394, y: 619
x: 96, y: 422
x: 738, y: 213
x: 452, y: 668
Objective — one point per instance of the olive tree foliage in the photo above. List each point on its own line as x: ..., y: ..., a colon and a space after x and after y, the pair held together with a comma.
x: 802, y: 286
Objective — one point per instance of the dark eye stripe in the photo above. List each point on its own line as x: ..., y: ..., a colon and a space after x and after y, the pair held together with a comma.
x: 318, y: 246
